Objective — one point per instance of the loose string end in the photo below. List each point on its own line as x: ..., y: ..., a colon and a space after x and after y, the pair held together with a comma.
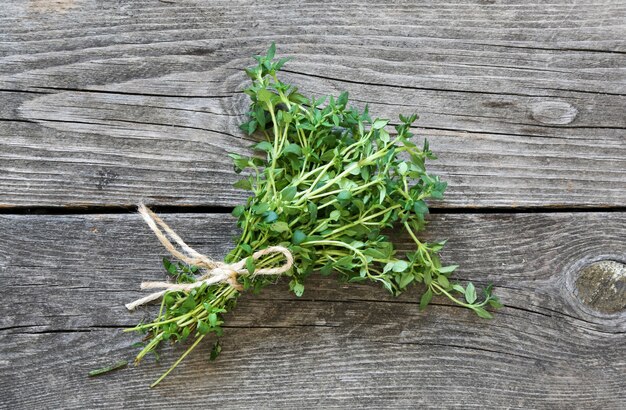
x: 153, y: 296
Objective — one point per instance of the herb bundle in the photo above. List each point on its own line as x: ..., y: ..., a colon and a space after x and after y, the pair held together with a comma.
x: 329, y: 182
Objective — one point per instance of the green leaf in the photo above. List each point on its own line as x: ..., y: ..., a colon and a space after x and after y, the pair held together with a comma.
x: 281, y: 63
x: 289, y: 193
x: 261, y: 119
x: 298, y: 289
x: 378, y: 124
x: 264, y: 146
x: 285, y: 116
x: 212, y: 319
x: 428, y: 278
x: 293, y: 149
x: 271, y: 216
x: 312, y: 210
x: 335, y: 215
x: 345, y: 262
x: 280, y: 226
x: 271, y: 51
x: 387, y: 285
x: 203, y: 328
x: 328, y: 156
x: 382, y: 194
x: 374, y: 253
x: 250, y: 265
x: 420, y: 207
x: 251, y: 72
x: 238, y: 211
x: 215, y: 351
x: 189, y: 304
x: 243, y: 184
x: 458, y: 288
x: 185, y: 334
x: 169, y: 266
x: 344, y: 195
x: 447, y: 269
x: 326, y: 269
x: 260, y: 208
x: 249, y: 127
x: 482, y: 313
x: 440, y: 187
x: 470, y: 293
x: 169, y: 300
x: 443, y: 281
x: 342, y: 100
x: 400, y: 266
x: 426, y: 298
x: 403, y: 168
x: 264, y: 95
x: 355, y: 169
x: 495, y: 302
x: 406, y: 279
x: 298, y: 237
x: 246, y: 248
x: 384, y: 136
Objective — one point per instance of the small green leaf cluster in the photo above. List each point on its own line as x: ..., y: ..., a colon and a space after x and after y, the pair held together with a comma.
x: 180, y: 272
x: 328, y: 181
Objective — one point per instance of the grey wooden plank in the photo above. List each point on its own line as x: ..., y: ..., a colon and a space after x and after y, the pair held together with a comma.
x: 109, y: 104
x: 66, y: 277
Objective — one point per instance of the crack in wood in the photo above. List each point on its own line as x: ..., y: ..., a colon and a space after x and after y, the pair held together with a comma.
x: 406, y: 87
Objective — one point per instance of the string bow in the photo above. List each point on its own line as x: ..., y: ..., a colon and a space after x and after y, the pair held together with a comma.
x: 216, y: 271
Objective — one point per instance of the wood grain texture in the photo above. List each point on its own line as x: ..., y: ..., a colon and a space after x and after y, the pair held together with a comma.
x: 65, y: 280
x: 107, y: 104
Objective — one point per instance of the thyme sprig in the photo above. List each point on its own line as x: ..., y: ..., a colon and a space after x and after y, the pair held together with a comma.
x: 326, y: 184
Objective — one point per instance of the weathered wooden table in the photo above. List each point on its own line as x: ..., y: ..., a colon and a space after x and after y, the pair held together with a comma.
x: 105, y: 104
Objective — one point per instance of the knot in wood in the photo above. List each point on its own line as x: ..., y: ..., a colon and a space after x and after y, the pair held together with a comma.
x: 602, y: 286
x: 554, y: 112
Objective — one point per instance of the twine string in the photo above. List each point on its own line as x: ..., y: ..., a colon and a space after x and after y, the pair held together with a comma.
x: 216, y: 271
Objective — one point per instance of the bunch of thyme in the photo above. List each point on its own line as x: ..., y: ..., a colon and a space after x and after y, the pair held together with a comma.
x: 330, y: 181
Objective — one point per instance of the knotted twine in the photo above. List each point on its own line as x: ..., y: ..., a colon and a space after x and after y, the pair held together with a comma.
x: 216, y: 271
